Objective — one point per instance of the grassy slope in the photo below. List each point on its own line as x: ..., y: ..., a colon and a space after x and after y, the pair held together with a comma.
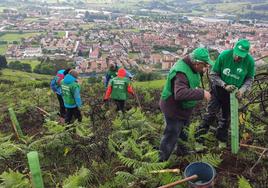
x: 150, y: 84
x: 32, y: 62
x: 16, y: 37
x: 22, y: 76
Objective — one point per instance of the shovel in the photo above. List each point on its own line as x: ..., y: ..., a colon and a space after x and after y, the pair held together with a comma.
x: 193, y: 177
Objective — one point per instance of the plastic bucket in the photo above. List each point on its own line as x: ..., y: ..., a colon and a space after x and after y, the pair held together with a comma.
x: 205, y: 172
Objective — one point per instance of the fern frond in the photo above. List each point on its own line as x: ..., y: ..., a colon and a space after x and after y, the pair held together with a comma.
x: 10, y: 179
x: 213, y: 159
x: 79, y: 179
x: 243, y: 183
x: 125, y: 177
x: 128, y: 162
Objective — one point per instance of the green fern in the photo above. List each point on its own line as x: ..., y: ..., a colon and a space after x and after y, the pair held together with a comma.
x: 125, y: 177
x: 243, y: 183
x: 79, y: 179
x: 212, y: 158
x: 53, y: 127
x: 8, y: 149
x: 13, y: 179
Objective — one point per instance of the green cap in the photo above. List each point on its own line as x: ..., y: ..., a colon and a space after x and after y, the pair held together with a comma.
x: 241, y: 48
x: 201, y: 55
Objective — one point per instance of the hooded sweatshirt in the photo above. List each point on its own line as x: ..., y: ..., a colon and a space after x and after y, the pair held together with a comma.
x: 55, y: 82
x: 119, y: 87
x: 71, y: 92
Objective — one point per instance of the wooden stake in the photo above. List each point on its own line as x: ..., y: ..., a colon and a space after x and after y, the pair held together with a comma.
x: 42, y: 110
x: 251, y: 146
x: 179, y: 181
x: 176, y: 170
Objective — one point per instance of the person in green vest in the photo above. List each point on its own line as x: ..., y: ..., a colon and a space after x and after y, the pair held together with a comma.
x: 112, y: 73
x: 118, y: 89
x: 180, y: 95
x: 71, y: 96
x: 234, y: 69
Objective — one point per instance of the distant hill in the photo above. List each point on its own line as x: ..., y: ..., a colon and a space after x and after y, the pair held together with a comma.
x: 253, y: 9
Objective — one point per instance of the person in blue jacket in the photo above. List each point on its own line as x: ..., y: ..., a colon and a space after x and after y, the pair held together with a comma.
x: 55, y: 86
x: 71, y: 96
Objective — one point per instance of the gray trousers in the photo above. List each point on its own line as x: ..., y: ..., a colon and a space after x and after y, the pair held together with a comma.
x: 170, y: 137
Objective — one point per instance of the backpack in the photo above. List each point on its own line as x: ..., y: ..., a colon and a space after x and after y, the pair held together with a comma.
x: 54, y: 85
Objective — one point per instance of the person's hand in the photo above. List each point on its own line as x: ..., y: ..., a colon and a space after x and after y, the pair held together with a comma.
x: 79, y: 81
x: 207, y: 95
x: 230, y: 88
x: 239, y: 94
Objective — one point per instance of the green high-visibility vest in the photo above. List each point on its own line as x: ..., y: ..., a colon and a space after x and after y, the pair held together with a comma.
x: 192, y: 77
x: 119, y: 88
x: 68, y: 92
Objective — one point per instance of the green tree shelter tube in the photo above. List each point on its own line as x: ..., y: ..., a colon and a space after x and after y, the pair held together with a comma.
x: 234, y: 123
x: 33, y: 161
x: 15, y: 123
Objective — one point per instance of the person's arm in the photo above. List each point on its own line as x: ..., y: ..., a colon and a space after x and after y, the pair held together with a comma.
x: 182, y: 91
x: 130, y: 89
x: 216, y: 79
x: 108, y: 92
x: 215, y: 73
x: 247, y: 85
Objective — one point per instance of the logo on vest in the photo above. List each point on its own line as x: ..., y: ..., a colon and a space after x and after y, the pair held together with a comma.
x: 239, y: 70
x: 226, y: 71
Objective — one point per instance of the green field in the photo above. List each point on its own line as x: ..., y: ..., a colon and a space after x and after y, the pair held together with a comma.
x: 16, y: 75
x: 3, y: 49
x: 155, y: 84
x: 29, y: 20
x: 61, y: 33
x: 16, y: 36
x: 32, y: 62
x: 87, y: 26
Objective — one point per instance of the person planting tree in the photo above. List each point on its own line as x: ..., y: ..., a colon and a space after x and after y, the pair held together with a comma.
x: 234, y: 70
x: 180, y: 95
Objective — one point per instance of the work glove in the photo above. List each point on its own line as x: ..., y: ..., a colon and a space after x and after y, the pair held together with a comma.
x: 230, y: 88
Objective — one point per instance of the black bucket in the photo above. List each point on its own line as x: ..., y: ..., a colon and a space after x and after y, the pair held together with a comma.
x: 205, y: 172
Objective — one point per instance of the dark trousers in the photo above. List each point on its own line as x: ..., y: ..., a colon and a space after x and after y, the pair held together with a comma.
x: 62, y: 108
x: 120, y: 105
x: 220, y: 101
x: 172, y: 132
x: 73, y: 112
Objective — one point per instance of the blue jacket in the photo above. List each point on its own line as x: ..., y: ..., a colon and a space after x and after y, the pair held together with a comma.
x: 71, y: 92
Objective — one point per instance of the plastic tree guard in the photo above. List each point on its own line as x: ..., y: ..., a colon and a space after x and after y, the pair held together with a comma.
x: 15, y: 123
x: 33, y: 161
x: 234, y: 123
